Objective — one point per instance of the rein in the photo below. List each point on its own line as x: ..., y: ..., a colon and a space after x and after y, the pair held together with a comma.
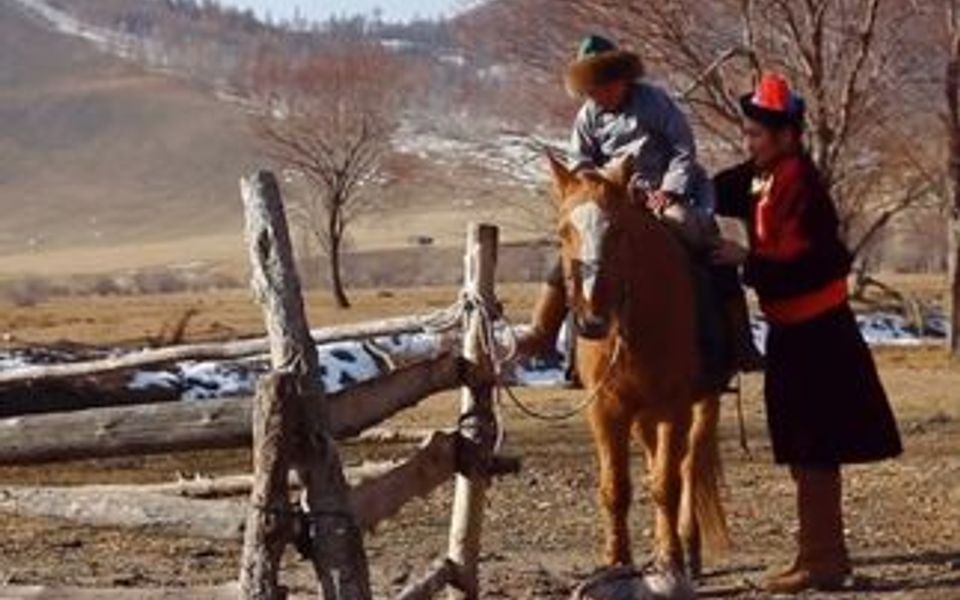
x: 498, y: 360
x: 581, y: 406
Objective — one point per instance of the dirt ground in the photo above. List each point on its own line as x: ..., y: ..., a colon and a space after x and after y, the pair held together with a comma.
x: 542, y: 530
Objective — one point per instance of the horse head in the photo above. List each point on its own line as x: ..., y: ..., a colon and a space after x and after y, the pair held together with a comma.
x: 589, y: 230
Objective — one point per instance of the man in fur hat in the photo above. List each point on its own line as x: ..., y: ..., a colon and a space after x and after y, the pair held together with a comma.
x: 625, y: 118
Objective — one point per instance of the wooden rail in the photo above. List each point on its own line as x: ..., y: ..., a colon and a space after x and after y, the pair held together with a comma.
x: 214, y: 350
x: 208, y: 424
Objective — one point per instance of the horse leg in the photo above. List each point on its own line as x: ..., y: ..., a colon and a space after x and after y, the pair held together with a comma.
x: 704, y: 420
x: 702, y: 517
x: 666, y: 440
x: 611, y: 436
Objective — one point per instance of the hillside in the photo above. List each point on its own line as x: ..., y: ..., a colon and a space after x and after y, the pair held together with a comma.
x: 106, y: 165
x: 95, y: 151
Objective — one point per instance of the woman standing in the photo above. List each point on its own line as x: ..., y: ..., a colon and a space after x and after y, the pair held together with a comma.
x: 825, y: 404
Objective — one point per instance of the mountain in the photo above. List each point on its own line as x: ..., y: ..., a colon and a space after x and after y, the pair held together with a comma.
x: 96, y: 151
x: 109, y: 164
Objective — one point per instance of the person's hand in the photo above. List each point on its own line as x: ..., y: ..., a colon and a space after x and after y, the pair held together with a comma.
x: 659, y: 200
x: 729, y: 253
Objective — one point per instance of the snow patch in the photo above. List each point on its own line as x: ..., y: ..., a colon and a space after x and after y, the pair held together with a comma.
x: 347, y: 363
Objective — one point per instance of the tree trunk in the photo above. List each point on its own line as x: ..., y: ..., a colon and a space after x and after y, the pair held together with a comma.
x: 953, y: 136
x: 954, y: 290
x: 336, y: 278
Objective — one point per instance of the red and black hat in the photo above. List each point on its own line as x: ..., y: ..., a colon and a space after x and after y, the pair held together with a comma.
x: 774, y: 104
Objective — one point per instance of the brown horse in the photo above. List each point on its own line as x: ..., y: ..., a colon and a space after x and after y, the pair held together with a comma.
x: 630, y: 289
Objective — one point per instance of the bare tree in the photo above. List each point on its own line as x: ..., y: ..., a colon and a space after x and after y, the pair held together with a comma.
x: 850, y: 59
x: 329, y: 119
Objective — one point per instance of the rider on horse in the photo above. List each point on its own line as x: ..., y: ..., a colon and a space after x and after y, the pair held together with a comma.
x: 625, y: 118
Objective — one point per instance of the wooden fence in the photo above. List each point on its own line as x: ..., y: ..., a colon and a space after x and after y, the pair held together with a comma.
x: 293, y: 427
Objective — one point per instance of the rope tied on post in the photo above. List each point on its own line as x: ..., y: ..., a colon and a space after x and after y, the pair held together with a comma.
x: 501, y: 355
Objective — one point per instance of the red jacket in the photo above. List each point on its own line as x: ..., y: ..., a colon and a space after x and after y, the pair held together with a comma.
x: 798, y: 264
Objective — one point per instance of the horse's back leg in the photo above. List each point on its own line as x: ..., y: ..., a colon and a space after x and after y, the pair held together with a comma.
x: 700, y: 509
x: 611, y: 436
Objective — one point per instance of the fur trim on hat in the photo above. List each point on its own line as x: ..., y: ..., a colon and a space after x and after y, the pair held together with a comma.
x: 589, y: 73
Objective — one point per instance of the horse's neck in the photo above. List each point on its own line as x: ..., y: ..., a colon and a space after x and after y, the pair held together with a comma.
x: 650, y: 241
x: 655, y: 273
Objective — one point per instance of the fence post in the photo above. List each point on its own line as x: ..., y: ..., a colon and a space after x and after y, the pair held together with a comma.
x: 336, y: 540
x: 477, y: 422
x: 269, y: 527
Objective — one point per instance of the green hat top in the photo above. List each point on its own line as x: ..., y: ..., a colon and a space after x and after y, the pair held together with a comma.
x: 594, y: 44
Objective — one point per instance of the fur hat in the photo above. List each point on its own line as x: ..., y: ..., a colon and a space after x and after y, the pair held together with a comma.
x: 774, y: 104
x: 598, y: 63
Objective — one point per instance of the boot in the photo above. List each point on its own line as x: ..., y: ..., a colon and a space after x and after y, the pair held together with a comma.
x: 548, y: 315
x: 822, y: 561
x: 745, y: 356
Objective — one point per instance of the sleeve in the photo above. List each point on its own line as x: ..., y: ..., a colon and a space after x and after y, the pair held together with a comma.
x: 780, y: 230
x: 732, y: 188
x: 583, y: 145
x: 676, y: 132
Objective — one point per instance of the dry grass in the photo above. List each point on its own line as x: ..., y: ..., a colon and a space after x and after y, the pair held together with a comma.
x: 220, y: 314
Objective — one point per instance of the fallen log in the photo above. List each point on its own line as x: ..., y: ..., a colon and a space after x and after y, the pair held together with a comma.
x: 208, y: 424
x: 104, y: 506
x: 41, y: 592
x: 226, y: 486
x: 430, y: 584
x: 218, y: 350
x: 378, y: 498
x: 377, y: 492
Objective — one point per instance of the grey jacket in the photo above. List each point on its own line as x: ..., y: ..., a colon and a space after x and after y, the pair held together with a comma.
x: 651, y: 129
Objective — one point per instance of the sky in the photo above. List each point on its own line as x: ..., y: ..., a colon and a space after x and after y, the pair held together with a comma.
x: 393, y: 10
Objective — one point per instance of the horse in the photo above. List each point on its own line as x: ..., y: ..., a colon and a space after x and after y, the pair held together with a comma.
x: 631, y: 294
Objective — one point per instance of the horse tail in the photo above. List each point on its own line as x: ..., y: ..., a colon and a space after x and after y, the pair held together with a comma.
x: 708, y: 475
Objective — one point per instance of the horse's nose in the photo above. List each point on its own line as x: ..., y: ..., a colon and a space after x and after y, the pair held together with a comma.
x: 591, y: 327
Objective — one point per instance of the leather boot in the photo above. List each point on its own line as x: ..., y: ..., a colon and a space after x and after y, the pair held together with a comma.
x: 548, y: 315
x: 745, y: 356
x: 822, y: 561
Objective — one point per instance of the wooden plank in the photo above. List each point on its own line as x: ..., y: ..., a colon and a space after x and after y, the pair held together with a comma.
x: 477, y: 421
x: 337, y: 550
x: 207, y: 424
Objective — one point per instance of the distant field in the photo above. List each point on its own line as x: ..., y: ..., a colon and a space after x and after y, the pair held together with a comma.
x: 224, y: 314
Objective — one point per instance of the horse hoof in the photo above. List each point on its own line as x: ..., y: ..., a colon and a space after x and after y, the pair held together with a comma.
x: 628, y: 583
x: 670, y: 584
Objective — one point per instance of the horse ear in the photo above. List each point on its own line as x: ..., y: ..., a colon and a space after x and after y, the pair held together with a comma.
x: 563, y: 178
x: 619, y: 171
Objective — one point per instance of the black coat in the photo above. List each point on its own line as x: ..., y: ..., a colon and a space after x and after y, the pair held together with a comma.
x: 824, y: 399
